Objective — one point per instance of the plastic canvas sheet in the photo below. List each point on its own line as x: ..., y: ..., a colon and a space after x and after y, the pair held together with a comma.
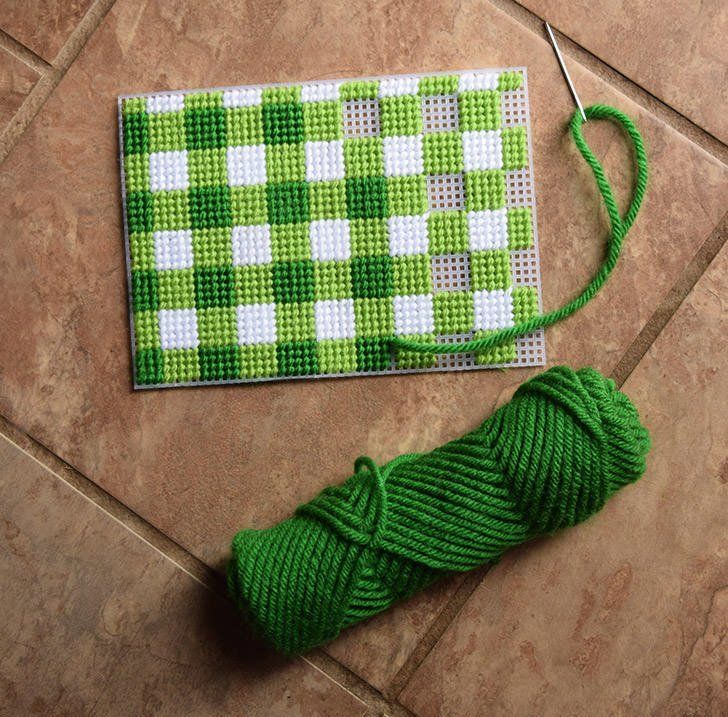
x: 289, y: 231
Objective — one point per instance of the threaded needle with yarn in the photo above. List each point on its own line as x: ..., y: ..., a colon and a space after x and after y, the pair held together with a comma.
x: 546, y: 460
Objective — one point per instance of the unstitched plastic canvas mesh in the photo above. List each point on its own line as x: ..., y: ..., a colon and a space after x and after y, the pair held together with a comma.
x: 287, y: 231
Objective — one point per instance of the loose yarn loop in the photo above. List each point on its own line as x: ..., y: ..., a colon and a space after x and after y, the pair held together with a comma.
x: 548, y: 459
x: 619, y: 226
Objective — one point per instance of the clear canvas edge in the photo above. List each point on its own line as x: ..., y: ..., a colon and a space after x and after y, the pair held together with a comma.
x: 267, y: 379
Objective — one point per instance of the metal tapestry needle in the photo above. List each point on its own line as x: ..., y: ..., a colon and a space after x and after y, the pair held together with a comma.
x: 562, y: 64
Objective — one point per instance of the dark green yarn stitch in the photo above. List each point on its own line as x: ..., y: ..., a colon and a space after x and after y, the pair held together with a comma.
x: 547, y: 460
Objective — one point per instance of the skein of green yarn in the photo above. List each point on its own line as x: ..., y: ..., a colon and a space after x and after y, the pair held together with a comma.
x: 546, y: 460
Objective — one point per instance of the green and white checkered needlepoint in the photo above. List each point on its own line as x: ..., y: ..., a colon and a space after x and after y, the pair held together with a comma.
x: 298, y: 230
x: 335, y: 228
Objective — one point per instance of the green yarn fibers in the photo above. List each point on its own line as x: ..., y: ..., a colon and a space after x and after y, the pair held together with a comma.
x: 546, y: 460
x: 618, y: 225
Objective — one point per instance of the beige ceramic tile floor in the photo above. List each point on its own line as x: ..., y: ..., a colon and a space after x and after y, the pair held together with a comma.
x: 117, y: 520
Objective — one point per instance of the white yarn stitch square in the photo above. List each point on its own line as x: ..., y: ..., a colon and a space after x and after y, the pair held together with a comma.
x: 244, y: 97
x: 246, y: 165
x: 173, y: 249
x: 320, y: 91
x: 165, y: 103
x: 395, y: 86
x: 413, y: 314
x: 251, y: 245
x: 408, y: 235
x: 324, y: 161
x: 334, y: 319
x: 482, y: 150
x: 493, y: 309
x: 330, y: 239
x: 478, y: 81
x: 403, y: 156
x: 256, y: 324
x: 178, y: 328
x: 168, y: 170
x: 488, y: 229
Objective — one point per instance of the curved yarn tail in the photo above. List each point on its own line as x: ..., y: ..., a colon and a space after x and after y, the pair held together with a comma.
x: 619, y: 226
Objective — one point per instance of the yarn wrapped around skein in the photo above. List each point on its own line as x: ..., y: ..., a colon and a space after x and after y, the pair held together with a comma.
x: 546, y: 460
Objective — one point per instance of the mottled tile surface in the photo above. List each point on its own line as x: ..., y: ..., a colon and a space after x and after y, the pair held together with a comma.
x: 377, y: 648
x: 675, y: 50
x: 16, y: 81
x: 96, y: 620
x: 627, y: 613
x: 200, y: 463
x: 42, y: 25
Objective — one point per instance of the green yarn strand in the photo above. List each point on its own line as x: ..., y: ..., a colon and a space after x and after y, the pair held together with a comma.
x: 546, y: 460
x: 619, y: 226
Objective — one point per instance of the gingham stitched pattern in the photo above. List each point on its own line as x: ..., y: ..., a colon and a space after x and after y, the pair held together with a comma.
x: 290, y: 231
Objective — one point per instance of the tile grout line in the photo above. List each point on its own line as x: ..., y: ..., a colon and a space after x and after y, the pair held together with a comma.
x: 437, y: 629
x: 378, y: 704
x: 682, y: 124
x: 51, y: 74
x: 205, y: 575
x: 136, y: 524
x: 104, y: 510
x: 23, y: 53
x: 354, y: 693
x: 668, y: 307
